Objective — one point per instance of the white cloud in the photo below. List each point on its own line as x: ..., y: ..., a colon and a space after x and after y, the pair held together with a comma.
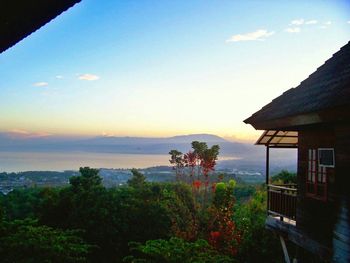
x: 40, y: 84
x: 293, y: 29
x: 311, y: 22
x: 59, y: 77
x: 297, y: 22
x: 326, y: 24
x: 23, y: 134
x: 258, y: 35
x: 106, y: 134
x: 349, y: 22
x: 88, y: 77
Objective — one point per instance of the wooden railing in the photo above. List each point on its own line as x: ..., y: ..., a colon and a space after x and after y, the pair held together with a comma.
x: 282, y: 201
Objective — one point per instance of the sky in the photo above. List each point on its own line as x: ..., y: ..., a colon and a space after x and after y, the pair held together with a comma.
x: 164, y: 68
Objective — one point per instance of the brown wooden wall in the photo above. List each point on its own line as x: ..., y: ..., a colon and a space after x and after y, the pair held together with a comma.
x: 341, y: 232
x: 328, y: 222
x: 315, y: 217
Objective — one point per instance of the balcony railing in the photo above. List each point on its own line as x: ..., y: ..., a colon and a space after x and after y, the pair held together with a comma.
x: 282, y: 201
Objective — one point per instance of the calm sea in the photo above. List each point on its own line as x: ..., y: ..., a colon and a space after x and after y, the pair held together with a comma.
x: 53, y: 161
x: 60, y: 161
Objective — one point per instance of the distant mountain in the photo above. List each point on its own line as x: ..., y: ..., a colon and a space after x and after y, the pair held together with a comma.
x: 209, y: 138
x: 130, y: 145
x: 236, y: 154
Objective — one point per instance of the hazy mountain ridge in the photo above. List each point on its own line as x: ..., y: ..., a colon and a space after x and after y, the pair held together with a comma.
x: 113, y: 144
x: 132, y: 145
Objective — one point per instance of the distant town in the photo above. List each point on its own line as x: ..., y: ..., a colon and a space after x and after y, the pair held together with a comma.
x: 111, y: 177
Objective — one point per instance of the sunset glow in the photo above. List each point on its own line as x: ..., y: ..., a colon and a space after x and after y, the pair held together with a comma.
x: 164, y: 68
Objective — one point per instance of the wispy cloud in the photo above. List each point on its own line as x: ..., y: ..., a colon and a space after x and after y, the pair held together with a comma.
x: 88, y: 77
x: 326, y: 24
x: 258, y: 35
x: 311, y: 22
x: 349, y: 22
x: 107, y: 134
x: 40, y: 84
x: 297, y: 22
x: 23, y: 134
x: 59, y: 77
x: 293, y: 29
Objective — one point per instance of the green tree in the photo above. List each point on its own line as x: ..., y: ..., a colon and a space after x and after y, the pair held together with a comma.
x: 175, y: 250
x: 23, y: 241
x: 198, y: 149
x: 284, y: 177
x: 89, y: 178
x: 137, y: 180
x: 177, y: 160
x: 257, y: 243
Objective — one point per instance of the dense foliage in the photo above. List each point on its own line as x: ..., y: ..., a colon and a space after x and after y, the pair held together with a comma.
x: 284, y: 177
x: 176, y: 250
x: 258, y: 245
x: 193, y: 220
x: 25, y: 241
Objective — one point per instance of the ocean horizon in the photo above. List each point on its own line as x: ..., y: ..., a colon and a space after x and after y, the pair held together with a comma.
x: 61, y: 161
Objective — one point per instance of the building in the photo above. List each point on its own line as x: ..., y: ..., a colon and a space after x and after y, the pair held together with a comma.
x: 314, y: 118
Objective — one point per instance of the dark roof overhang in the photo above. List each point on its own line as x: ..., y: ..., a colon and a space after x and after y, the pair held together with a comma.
x: 297, y: 122
x: 321, y: 98
x: 20, y: 18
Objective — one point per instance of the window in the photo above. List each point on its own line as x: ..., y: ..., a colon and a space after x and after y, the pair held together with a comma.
x: 326, y: 157
x: 316, y: 182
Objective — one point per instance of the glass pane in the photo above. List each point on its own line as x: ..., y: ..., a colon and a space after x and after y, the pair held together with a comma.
x: 292, y: 133
x: 289, y: 140
x: 265, y: 139
x: 275, y: 140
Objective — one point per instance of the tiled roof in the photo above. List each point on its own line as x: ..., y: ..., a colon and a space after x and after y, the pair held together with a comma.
x: 20, y: 18
x: 327, y: 87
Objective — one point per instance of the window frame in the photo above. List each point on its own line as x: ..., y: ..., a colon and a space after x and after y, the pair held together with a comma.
x: 317, y: 176
x: 318, y: 157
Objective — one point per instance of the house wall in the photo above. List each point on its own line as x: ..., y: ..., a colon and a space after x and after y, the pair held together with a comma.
x: 314, y: 216
x: 327, y: 221
x: 341, y: 231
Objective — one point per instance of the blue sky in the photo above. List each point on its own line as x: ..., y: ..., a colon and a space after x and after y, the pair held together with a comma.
x: 162, y: 68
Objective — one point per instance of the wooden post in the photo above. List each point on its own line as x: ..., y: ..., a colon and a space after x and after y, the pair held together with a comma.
x: 267, y: 164
x: 285, y: 251
x: 267, y: 177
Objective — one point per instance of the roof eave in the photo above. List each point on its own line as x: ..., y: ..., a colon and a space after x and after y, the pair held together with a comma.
x: 296, y: 122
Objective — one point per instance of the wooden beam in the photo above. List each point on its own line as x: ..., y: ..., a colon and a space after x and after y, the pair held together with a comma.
x: 285, y: 251
x: 298, y: 237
